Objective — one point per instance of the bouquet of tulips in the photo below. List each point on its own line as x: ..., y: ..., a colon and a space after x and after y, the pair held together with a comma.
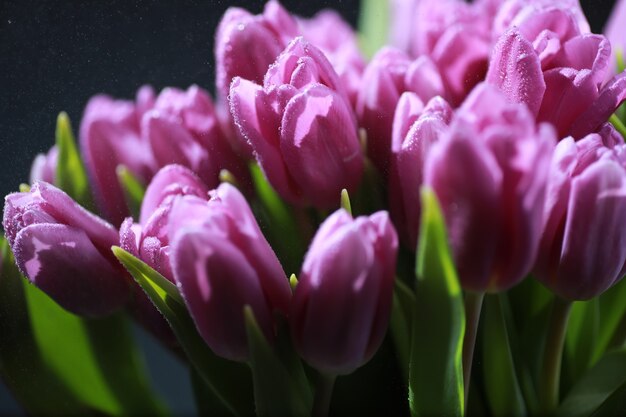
x: 439, y: 229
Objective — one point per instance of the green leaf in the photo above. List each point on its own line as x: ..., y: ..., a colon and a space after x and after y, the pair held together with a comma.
x: 71, y: 176
x: 436, y: 374
x: 228, y: 380
x: 596, y: 387
x: 373, y: 25
x: 280, y: 387
x: 618, y: 124
x: 612, y: 316
x: 581, y: 337
x: 501, y: 384
x: 133, y: 189
x: 400, y: 323
x: 615, y: 405
x: 59, y: 364
x: 283, y: 232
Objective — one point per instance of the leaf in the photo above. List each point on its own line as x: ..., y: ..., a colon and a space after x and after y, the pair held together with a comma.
x: 284, y: 234
x: 59, y: 364
x: 71, y: 176
x: 596, y: 387
x: 436, y: 374
x: 612, y: 315
x: 501, y: 384
x: 280, y: 388
x: 228, y: 380
x: 617, y: 123
x: 581, y: 337
x: 400, y: 323
x: 373, y: 25
x: 615, y: 405
x: 133, y: 189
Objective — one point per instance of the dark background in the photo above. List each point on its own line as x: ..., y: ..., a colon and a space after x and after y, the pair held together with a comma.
x: 54, y: 55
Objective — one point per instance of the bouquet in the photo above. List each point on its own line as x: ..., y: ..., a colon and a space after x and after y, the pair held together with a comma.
x: 424, y: 218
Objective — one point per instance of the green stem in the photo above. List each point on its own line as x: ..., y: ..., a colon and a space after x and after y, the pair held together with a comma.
x: 553, y: 353
x: 473, y: 305
x: 323, y: 394
x: 619, y: 337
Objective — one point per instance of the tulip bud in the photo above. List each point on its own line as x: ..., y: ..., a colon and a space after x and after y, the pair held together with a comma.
x: 301, y: 127
x: 65, y: 250
x: 221, y: 263
x: 148, y: 239
x: 415, y: 129
x: 489, y: 173
x: 342, y: 302
x: 45, y: 166
x: 182, y: 128
x: 389, y: 74
x: 110, y: 136
x: 583, y: 244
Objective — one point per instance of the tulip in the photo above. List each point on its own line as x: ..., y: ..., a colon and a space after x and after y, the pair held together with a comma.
x: 489, y: 173
x: 301, y: 127
x: 182, y: 128
x: 65, y: 251
x: 110, y: 136
x: 245, y: 46
x: 221, y: 263
x: 390, y: 73
x: 547, y: 62
x: 583, y: 244
x: 342, y: 303
x: 337, y: 40
x: 44, y: 166
x: 415, y: 129
x: 615, y: 30
x: 148, y: 239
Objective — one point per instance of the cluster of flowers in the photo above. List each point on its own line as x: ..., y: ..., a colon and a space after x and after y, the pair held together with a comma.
x: 501, y: 107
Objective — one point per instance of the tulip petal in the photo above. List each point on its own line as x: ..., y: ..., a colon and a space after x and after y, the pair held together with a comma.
x: 515, y: 69
x: 62, y: 261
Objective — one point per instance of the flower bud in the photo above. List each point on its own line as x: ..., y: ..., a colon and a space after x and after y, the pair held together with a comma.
x: 489, y: 173
x: 182, y: 128
x: 65, y: 250
x: 415, y: 129
x: 110, y: 136
x: 44, y: 166
x: 221, y: 263
x: 583, y: 244
x: 342, y: 303
x: 389, y: 74
x: 301, y: 127
x: 148, y: 239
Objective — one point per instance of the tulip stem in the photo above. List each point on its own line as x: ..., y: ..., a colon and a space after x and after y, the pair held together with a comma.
x: 473, y: 306
x: 323, y: 394
x: 551, y: 369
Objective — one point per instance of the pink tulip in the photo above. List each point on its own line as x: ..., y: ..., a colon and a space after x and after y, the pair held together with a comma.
x: 390, y: 73
x: 342, y: 302
x: 221, y: 263
x: 65, y: 251
x: 44, y: 166
x: 415, y: 129
x: 583, y: 245
x: 489, y: 173
x: 301, y: 127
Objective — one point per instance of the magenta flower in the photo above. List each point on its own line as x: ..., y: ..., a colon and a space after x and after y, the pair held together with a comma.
x: 489, y: 173
x: 548, y: 63
x: 301, y: 127
x: 65, y: 251
x: 44, y: 167
x: 342, y: 303
x: 110, y: 135
x: 390, y: 73
x: 336, y: 39
x: 221, y: 263
x: 615, y: 30
x: 149, y: 239
x: 583, y: 245
x: 177, y: 127
x: 415, y: 129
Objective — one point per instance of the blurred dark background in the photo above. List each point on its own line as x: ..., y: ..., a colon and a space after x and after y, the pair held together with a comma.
x: 54, y: 55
